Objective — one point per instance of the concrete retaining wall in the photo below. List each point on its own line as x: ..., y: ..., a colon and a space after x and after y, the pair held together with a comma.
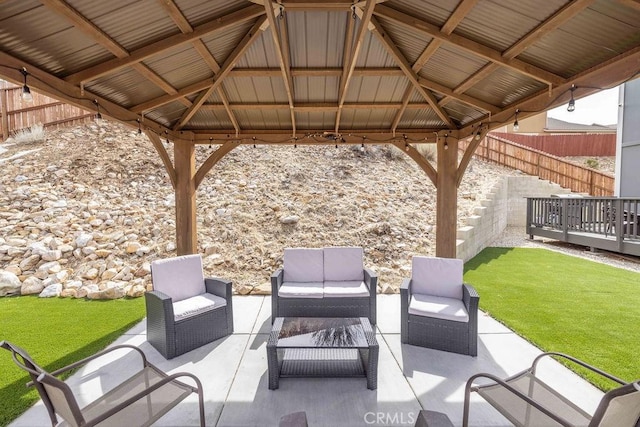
x: 505, y: 205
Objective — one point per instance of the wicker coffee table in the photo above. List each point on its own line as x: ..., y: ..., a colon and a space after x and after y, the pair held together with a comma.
x: 322, y: 347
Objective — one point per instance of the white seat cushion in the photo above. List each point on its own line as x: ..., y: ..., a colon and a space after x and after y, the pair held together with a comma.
x: 346, y: 288
x: 438, y: 307
x: 343, y: 263
x: 178, y: 277
x: 300, y: 290
x: 441, y: 277
x: 196, y: 305
x: 303, y: 265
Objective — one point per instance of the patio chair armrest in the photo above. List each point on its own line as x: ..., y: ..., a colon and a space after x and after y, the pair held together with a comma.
x: 470, y: 297
x: 578, y: 362
x: 371, y: 280
x: 219, y: 286
x: 511, y: 389
x: 95, y: 356
x: 276, y: 280
x: 405, y: 294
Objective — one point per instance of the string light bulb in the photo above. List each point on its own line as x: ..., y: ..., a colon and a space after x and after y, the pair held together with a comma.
x: 139, y: 128
x: 26, y: 92
x: 571, y: 107
x: 98, y: 115
x: 516, y: 125
x: 478, y: 133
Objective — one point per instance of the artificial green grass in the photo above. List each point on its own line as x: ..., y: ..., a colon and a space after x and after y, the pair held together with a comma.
x: 562, y: 303
x: 55, y: 332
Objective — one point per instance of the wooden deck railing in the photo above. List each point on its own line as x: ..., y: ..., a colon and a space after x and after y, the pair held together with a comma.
x: 602, y: 222
x: 580, y: 179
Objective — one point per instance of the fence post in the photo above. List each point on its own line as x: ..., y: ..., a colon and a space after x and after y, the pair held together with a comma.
x: 5, y: 114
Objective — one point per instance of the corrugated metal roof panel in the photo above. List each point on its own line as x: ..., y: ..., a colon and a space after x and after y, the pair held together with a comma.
x: 180, y: 66
x: 419, y: 119
x: 376, y: 89
x: 124, y: 87
x: 264, y: 119
x: 198, y: 12
x: 598, y: 33
x: 222, y: 43
x: 505, y: 87
x: 49, y: 42
x: 315, y: 120
x: 123, y: 20
x: 167, y: 114
x: 501, y: 24
x: 363, y: 119
x: 373, y: 53
x: 450, y: 66
x: 255, y: 89
x: 432, y: 11
x: 410, y: 43
x: 318, y: 40
x: 316, y: 89
x: 211, y: 119
x: 261, y: 53
x: 463, y: 113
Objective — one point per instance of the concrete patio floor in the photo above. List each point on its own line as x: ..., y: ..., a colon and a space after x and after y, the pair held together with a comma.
x: 233, y: 371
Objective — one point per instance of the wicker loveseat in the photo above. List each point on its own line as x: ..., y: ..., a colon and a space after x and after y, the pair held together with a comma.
x: 329, y: 282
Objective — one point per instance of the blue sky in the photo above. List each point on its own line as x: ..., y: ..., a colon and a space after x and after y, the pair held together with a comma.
x: 600, y: 108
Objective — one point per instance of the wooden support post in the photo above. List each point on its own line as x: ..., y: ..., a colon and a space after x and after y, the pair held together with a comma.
x: 447, y: 197
x: 5, y: 114
x: 184, y: 155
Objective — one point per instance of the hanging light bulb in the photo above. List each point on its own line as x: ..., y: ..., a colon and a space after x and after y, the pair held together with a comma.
x: 139, y: 128
x: 477, y: 135
x: 572, y: 102
x: 26, y: 92
x: 98, y: 115
x: 516, y: 125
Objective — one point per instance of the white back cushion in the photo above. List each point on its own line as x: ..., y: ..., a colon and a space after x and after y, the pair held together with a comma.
x: 343, y: 264
x: 303, y: 265
x: 440, y: 277
x: 180, y: 277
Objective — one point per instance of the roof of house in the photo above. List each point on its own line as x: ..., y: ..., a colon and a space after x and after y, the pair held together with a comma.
x: 556, y: 125
x: 336, y: 69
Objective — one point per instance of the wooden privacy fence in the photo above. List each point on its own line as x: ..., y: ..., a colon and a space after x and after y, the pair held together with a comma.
x: 594, y: 145
x: 578, y: 178
x: 17, y: 114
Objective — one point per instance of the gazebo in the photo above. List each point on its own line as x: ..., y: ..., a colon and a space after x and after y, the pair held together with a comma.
x: 401, y: 72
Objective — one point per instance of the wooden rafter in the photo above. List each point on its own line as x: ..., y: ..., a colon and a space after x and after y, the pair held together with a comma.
x: 467, y: 99
x: 558, y: 18
x: 346, y: 57
x: 103, y: 39
x: 409, y: 73
x: 316, y: 106
x: 140, y: 54
x: 229, y: 63
x: 365, y: 18
x: 610, y: 73
x: 456, y: 17
x: 183, y: 23
x: 281, y: 41
x: 469, y: 45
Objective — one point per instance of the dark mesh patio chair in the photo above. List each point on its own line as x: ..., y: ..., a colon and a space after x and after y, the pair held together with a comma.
x: 525, y: 400
x: 437, y: 309
x: 140, y: 400
x: 185, y: 310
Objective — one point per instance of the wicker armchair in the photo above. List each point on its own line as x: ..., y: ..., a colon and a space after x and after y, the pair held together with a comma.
x: 438, y: 310
x: 185, y: 310
x: 140, y: 400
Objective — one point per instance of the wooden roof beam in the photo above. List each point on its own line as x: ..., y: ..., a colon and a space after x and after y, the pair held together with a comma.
x: 365, y: 17
x: 315, y: 72
x: 183, y: 23
x: 452, y: 22
x: 155, y: 48
x: 469, y: 45
x: 409, y: 73
x: 229, y: 63
x: 317, y: 106
x: 281, y: 41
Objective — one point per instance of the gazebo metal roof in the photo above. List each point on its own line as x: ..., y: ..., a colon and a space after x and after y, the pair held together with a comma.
x: 302, y: 71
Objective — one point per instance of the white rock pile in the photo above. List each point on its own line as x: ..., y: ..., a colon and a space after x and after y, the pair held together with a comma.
x: 84, y: 214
